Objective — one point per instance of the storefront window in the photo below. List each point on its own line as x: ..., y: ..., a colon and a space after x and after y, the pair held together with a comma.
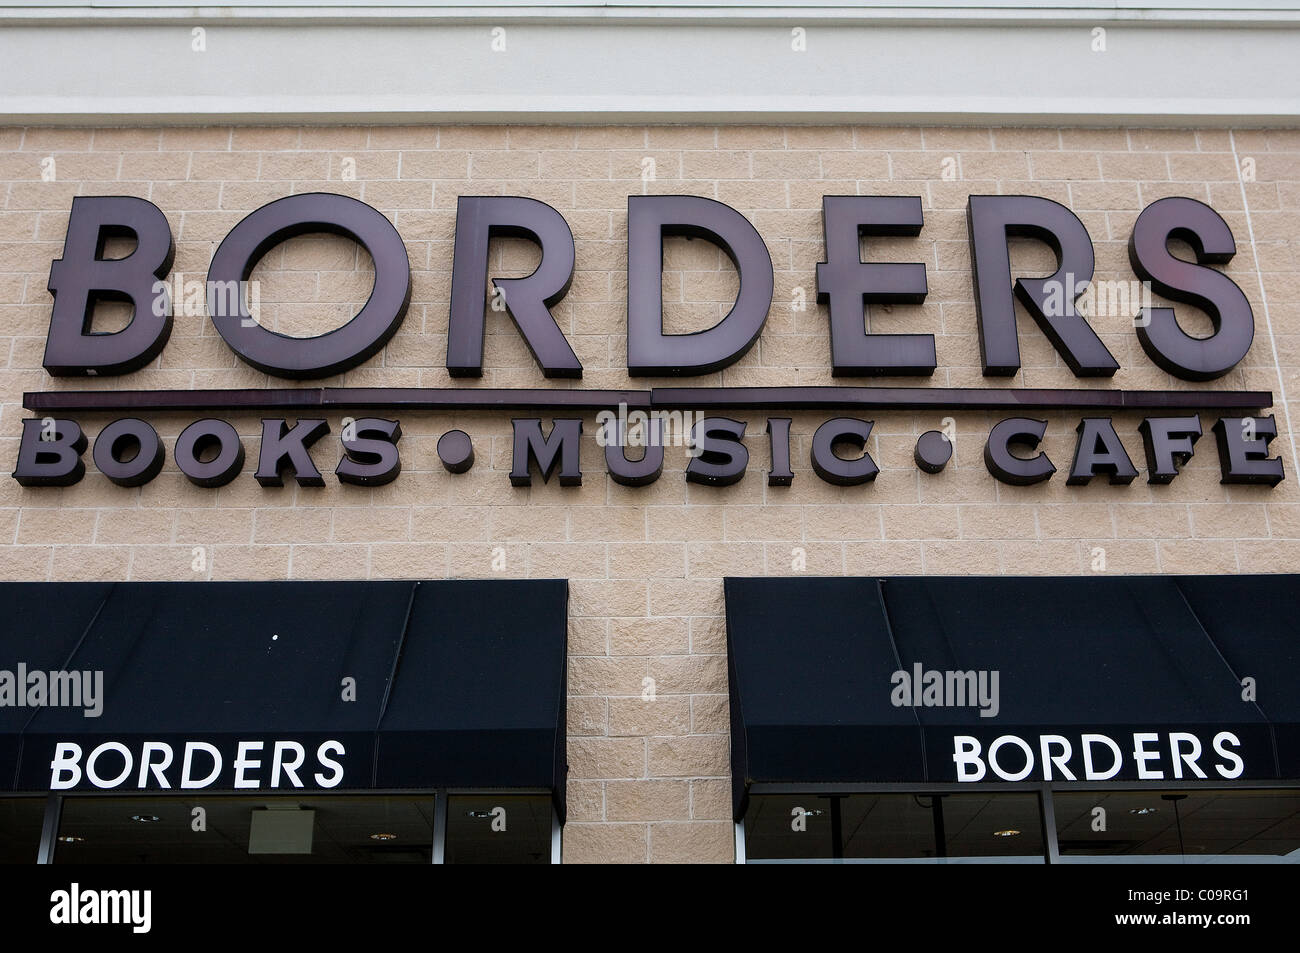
x: 497, y: 829
x: 895, y: 828
x: 20, y: 829
x: 235, y: 830
x: 1244, y: 826
x: 232, y: 829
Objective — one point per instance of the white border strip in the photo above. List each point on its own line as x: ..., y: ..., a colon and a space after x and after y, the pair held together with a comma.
x: 1022, y: 12
x: 671, y: 70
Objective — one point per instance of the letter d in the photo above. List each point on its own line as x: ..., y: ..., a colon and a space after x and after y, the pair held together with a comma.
x: 651, y: 352
x: 190, y: 747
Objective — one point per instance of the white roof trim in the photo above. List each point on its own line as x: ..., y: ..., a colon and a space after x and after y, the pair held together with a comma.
x: 357, y: 70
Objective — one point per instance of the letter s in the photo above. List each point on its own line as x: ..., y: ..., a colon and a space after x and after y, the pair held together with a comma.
x: 1167, y: 344
x: 1219, y: 739
x: 333, y: 779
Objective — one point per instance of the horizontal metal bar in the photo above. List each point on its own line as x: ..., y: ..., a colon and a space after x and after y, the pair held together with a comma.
x: 188, y: 400
x: 666, y: 398
x: 952, y: 398
x: 336, y: 398
x: 479, y: 398
x: 1020, y: 787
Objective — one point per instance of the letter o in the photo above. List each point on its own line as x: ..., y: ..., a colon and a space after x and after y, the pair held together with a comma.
x: 121, y: 749
x: 1023, y: 746
x: 141, y: 468
x: 334, y: 351
x: 202, y: 435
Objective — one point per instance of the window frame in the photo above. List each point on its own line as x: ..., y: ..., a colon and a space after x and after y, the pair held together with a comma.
x: 1044, y: 789
x: 54, y: 811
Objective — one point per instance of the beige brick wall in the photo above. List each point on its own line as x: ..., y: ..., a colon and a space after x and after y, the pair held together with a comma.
x: 648, y: 780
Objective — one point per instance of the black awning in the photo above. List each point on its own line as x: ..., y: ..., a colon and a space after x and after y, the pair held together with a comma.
x: 803, y: 656
x: 496, y: 690
x: 276, y: 685
x: 1260, y: 640
x: 43, y: 626
x: 826, y: 675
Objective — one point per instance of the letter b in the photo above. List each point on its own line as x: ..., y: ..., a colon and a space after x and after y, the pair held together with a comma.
x: 66, y: 758
x: 83, y: 277
x: 965, y: 753
x: 54, y: 462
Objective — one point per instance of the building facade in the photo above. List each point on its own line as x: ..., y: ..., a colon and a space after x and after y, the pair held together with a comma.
x: 767, y: 112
